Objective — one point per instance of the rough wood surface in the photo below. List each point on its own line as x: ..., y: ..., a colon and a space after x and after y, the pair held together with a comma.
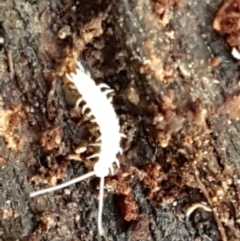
x: 177, y: 99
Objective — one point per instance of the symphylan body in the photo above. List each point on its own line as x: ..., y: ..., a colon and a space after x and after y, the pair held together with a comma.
x: 110, y: 137
x: 106, y: 118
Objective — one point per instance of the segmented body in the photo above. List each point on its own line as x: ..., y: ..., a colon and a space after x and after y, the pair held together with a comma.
x: 106, y: 118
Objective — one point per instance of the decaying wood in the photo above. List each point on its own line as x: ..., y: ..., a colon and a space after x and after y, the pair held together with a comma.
x: 177, y: 97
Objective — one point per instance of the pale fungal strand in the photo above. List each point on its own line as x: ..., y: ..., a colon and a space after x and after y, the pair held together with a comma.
x: 195, y: 206
x: 105, y: 117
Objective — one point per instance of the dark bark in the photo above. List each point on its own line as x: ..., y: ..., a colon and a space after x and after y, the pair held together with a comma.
x: 179, y: 176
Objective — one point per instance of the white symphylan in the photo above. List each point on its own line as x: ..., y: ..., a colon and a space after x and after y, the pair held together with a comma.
x: 110, y: 136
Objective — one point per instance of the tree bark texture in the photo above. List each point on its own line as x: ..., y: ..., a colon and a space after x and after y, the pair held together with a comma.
x: 176, y: 101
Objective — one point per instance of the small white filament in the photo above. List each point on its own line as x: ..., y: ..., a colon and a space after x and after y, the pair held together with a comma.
x: 63, y: 185
x: 100, y: 206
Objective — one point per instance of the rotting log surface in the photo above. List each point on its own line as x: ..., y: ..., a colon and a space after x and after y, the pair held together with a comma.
x: 179, y: 176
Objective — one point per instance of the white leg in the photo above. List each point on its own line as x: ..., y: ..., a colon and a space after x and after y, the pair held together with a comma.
x: 123, y: 135
x: 117, y: 163
x: 69, y: 77
x: 84, y: 108
x: 120, y: 150
x: 89, y: 114
x: 93, y: 156
x: 111, y: 170
x: 80, y: 67
x: 95, y: 144
x: 93, y: 120
x: 78, y: 102
x: 108, y: 91
x: 102, y: 85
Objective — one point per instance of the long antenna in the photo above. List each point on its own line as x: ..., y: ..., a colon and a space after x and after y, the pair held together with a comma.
x: 63, y: 185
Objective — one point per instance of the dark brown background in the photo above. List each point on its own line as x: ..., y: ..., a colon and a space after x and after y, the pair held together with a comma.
x: 175, y: 103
